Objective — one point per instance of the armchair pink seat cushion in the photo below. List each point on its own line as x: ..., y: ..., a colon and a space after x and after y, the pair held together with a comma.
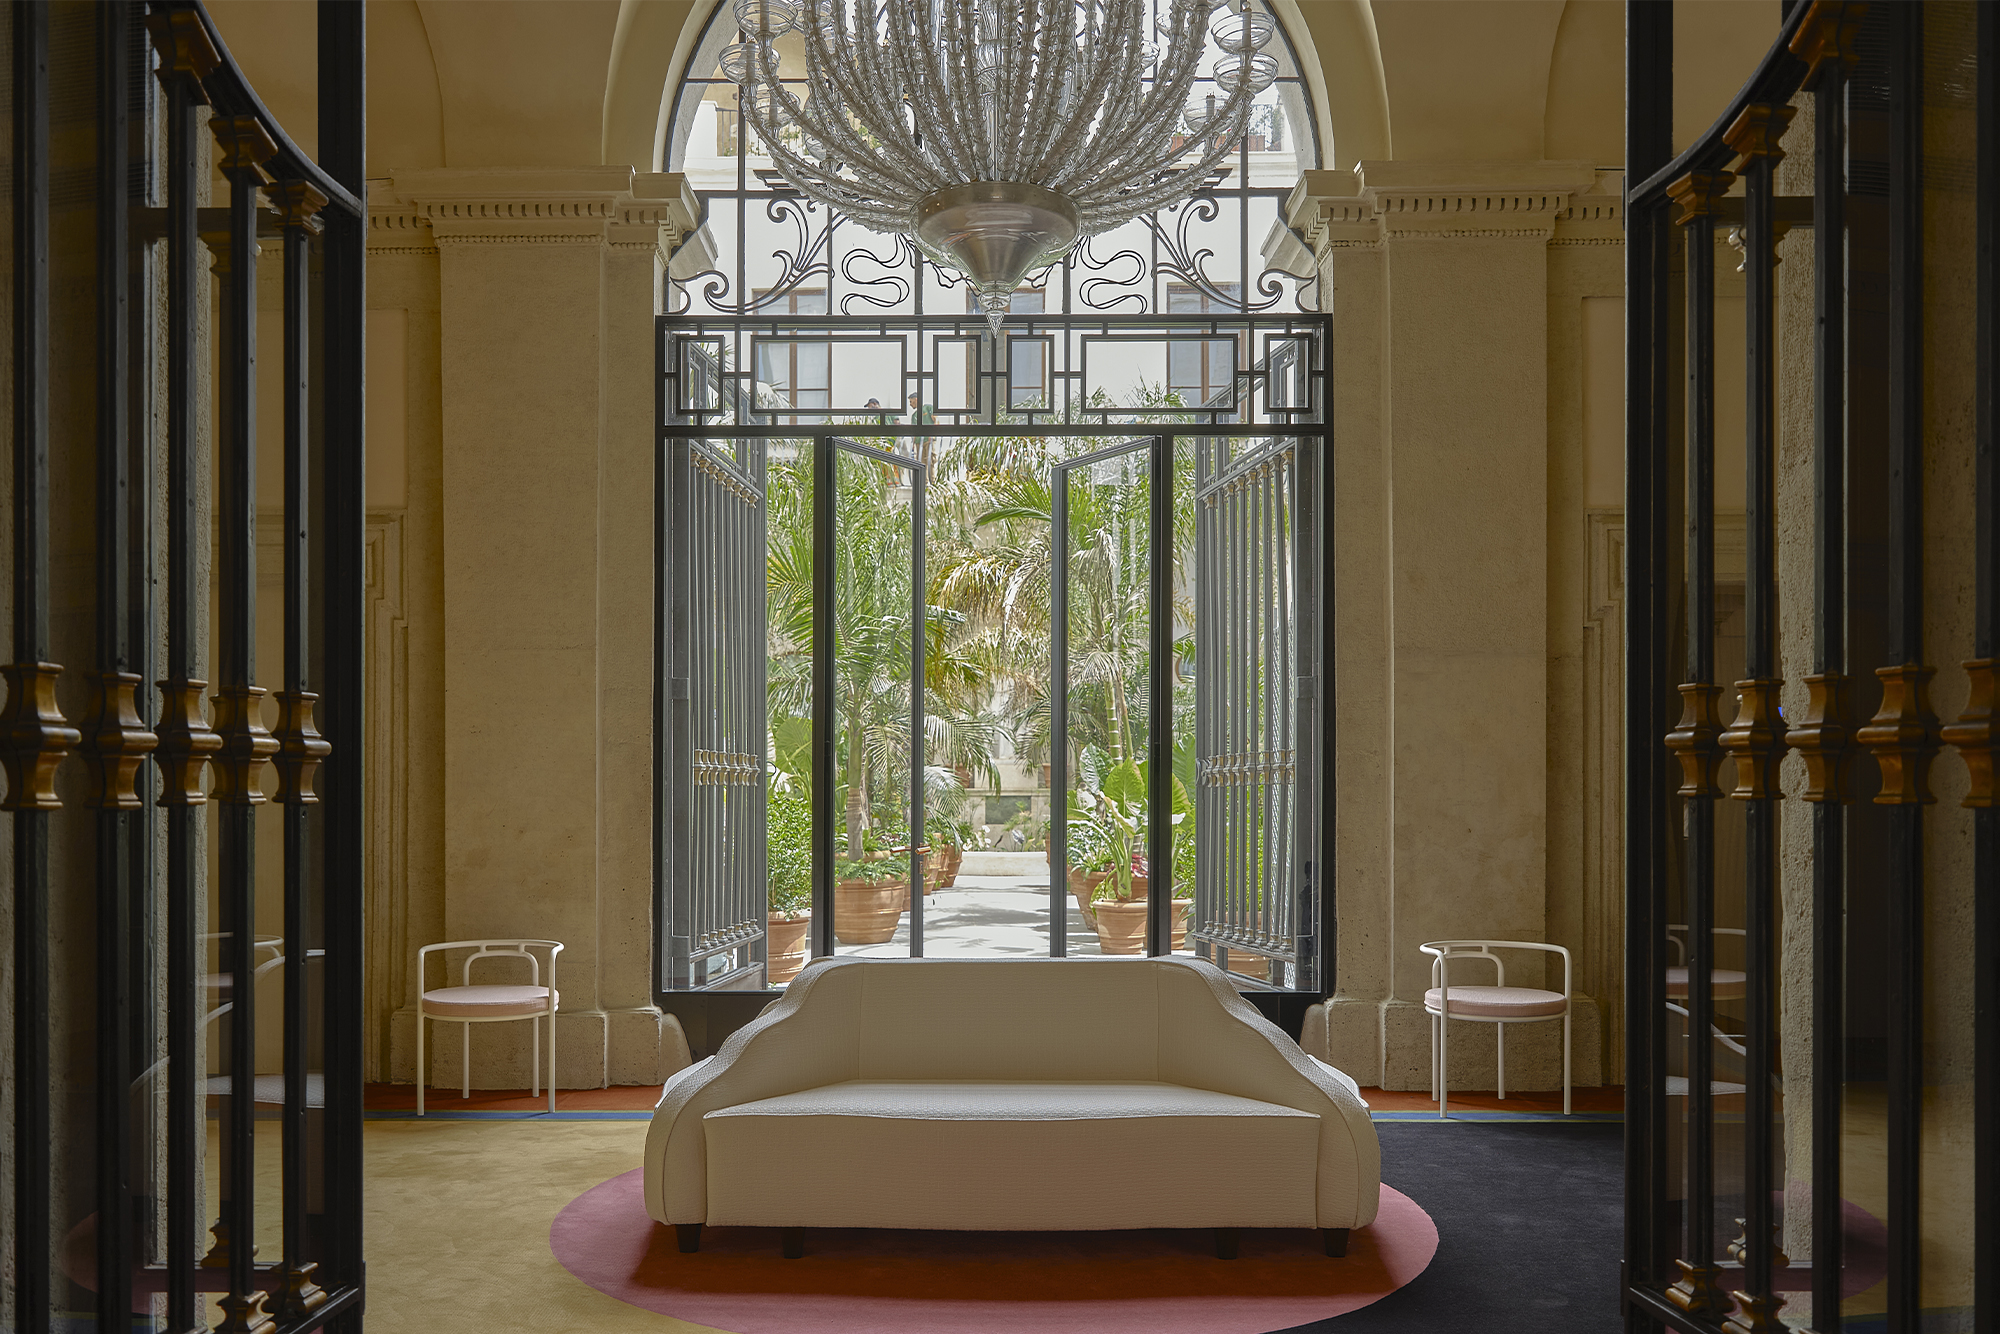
x: 1011, y: 1094
x: 486, y: 1002
x: 1474, y: 1002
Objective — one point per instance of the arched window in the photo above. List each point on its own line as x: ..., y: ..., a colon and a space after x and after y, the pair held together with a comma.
x: 775, y: 252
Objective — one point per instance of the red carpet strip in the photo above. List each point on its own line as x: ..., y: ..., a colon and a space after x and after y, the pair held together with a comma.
x: 867, y: 1281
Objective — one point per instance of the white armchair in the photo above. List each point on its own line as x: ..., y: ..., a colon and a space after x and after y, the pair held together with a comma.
x: 468, y: 1004
x: 1497, y: 1004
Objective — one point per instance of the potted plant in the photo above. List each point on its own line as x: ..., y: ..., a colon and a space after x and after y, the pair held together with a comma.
x: 869, y: 898
x: 788, y: 858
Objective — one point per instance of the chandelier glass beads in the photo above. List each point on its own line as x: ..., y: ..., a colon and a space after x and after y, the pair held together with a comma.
x: 996, y: 134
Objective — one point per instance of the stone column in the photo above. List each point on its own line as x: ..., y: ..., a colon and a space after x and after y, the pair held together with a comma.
x: 1440, y: 289
x: 545, y: 298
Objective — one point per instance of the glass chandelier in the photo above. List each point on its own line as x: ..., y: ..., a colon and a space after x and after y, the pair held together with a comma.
x: 997, y: 134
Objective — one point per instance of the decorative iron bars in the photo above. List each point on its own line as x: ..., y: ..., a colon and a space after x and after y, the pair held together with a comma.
x: 1256, y: 668
x: 712, y: 726
x: 141, y: 1027
x: 1037, y: 373
x: 1785, y: 1160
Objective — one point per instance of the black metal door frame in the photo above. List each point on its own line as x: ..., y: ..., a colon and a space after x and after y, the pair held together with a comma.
x: 705, y: 393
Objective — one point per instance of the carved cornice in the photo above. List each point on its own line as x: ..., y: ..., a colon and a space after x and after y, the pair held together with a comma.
x: 1976, y: 734
x: 1391, y: 201
x: 1903, y: 735
x: 586, y: 206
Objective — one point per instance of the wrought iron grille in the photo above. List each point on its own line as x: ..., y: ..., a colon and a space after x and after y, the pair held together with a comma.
x: 713, y: 724
x: 1257, y: 768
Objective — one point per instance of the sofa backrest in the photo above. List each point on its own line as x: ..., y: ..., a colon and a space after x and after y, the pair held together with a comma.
x: 1011, y: 1019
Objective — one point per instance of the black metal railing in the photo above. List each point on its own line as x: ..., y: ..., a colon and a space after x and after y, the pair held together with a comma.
x: 111, y: 900
x: 1716, y: 1097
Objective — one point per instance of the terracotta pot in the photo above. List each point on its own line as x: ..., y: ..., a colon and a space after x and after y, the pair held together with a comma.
x: 784, y: 947
x: 1081, y: 886
x: 1121, y: 926
x: 867, y: 912
x: 954, y: 857
x: 1247, y: 964
x: 1181, y: 908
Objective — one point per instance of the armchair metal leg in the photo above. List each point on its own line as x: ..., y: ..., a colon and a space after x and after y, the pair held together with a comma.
x: 1335, y: 1239
x: 1225, y: 1243
x: 793, y: 1242
x: 689, y: 1237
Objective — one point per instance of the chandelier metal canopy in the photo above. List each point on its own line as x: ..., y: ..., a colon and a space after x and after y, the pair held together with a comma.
x: 997, y: 134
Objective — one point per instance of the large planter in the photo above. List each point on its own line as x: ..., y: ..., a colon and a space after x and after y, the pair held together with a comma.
x: 954, y: 857
x: 785, y: 946
x: 1121, y: 926
x: 867, y: 912
x: 1181, y: 908
x: 1082, y: 885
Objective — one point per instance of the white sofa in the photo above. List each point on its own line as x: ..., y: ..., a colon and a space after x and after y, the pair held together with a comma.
x: 1012, y: 1094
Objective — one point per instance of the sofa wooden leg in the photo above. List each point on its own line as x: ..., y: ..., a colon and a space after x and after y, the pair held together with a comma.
x: 689, y: 1236
x: 1225, y: 1243
x: 1335, y: 1239
x: 793, y: 1242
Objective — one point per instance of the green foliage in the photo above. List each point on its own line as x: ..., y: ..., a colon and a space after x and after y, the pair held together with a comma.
x: 789, y: 850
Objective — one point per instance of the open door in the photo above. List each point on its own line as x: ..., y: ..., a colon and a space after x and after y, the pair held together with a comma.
x: 1257, y: 910
x: 712, y: 698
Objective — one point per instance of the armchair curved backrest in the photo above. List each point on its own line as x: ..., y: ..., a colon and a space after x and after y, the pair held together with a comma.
x: 497, y: 948
x: 1442, y: 952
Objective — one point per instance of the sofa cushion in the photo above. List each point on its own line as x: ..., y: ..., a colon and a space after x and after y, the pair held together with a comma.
x: 1016, y: 1154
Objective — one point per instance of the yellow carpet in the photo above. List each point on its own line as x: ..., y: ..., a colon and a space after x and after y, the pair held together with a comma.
x: 458, y: 1216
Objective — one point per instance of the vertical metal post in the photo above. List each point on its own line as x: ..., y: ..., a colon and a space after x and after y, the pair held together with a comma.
x: 1160, y: 701
x: 113, y: 683
x: 1059, y: 713
x: 32, y: 1254
x: 1986, y: 644
x: 185, y: 739
x: 1905, y: 557
x: 917, y: 740
x: 825, y: 478
x: 245, y: 743
x: 300, y: 747
x: 1823, y: 732
x: 343, y: 142
x: 1648, y: 147
x: 1696, y: 1290
x: 1761, y: 128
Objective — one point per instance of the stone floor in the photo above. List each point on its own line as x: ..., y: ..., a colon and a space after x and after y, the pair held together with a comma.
x: 998, y: 907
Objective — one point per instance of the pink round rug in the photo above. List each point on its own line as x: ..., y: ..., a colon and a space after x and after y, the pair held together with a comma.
x: 870, y: 1281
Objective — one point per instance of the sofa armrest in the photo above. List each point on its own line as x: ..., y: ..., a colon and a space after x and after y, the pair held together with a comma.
x: 802, y: 1040
x: 1210, y: 1037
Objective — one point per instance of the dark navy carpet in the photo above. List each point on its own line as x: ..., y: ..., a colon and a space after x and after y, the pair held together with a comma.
x: 1530, y: 1220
